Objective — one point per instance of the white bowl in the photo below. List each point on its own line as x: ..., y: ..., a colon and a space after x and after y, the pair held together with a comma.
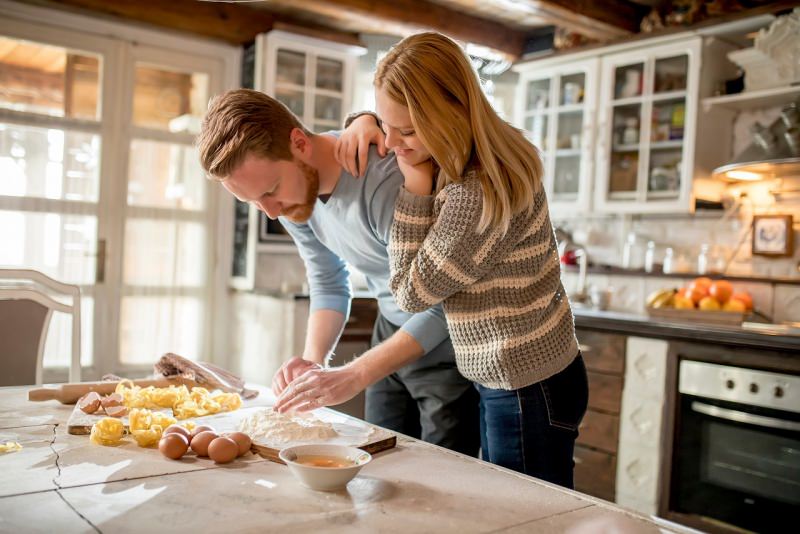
x: 324, y: 478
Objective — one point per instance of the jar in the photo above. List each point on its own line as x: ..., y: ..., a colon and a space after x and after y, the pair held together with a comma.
x: 669, y: 260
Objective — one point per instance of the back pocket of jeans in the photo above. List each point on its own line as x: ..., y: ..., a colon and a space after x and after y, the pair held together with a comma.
x: 567, y: 395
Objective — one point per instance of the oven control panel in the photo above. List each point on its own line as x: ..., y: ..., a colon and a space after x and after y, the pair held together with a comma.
x: 739, y: 384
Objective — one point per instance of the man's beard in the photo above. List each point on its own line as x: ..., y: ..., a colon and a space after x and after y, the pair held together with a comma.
x: 300, y: 213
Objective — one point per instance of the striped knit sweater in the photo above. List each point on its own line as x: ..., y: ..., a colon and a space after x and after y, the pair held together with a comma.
x: 508, y: 315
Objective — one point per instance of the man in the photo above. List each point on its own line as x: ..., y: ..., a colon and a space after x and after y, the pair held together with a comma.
x: 263, y: 155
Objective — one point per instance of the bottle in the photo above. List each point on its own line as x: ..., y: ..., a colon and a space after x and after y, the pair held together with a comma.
x: 649, y: 256
x: 668, y: 266
x: 702, y: 259
x: 627, y: 250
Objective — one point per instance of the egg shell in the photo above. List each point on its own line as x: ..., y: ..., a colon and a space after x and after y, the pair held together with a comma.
x: 222, y: 450
x: 242, y: 440
x: 114, y: 399
x: 178, y: 429
x: 173, y: 446
x: 202, y: 428
x: 201, y: 441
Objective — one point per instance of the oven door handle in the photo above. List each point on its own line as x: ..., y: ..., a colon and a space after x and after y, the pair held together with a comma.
x: 744, y: 417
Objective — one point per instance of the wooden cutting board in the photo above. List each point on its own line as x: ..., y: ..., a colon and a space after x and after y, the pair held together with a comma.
x: 379, y: 439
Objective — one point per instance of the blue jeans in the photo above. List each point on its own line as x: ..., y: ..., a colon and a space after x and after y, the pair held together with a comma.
x: 533, y: 429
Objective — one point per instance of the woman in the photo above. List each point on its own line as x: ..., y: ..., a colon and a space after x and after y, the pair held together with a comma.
x: 472, y: 230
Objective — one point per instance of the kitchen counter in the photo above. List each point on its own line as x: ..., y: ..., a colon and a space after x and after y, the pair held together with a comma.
x: 63, y: 483
x: 645, y: 326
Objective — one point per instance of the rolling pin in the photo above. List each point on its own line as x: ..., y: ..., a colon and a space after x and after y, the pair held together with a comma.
x: 70, y: 393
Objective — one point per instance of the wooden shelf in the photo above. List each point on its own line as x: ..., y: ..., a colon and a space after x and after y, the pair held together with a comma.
x: 665, y: 145
x: 765, y: 98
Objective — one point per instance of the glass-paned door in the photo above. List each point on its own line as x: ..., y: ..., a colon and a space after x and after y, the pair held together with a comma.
x: 667, y: 127
x: 311, y: 85
x: 556, y: 116
x: 167, y: 232
x: 648, y: 143
x: 100, y: 186
x: 51, y: 135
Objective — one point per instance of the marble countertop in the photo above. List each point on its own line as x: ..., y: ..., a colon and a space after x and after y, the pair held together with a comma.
x: 643, y: 325
x: 63, y: 483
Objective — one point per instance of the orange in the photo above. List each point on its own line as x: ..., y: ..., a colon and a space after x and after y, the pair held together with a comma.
x: 683, y: 303
x: 696, y: 292
x: 745, y: 298
x: 734, y: 305
x: 721, y: 290
x: 703, y: 281
x: 708, y: 303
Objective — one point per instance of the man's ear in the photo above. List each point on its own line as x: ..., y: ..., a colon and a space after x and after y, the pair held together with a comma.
x: 300, y: 144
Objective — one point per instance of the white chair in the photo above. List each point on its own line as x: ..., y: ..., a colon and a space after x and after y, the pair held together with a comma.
x: 26, y: 306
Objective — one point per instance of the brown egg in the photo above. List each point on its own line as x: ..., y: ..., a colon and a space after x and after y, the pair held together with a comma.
x: 202, y: 428
x: 242, y: 440
x: 178, y: 429
x: 173, y: 446
x: 223, y: 450
x: 201, y: 441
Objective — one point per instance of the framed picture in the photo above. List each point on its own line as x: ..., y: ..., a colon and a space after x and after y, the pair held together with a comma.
x: 773, y: 235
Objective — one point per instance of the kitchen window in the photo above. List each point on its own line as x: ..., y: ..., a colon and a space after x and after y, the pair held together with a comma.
x: 101, y: 184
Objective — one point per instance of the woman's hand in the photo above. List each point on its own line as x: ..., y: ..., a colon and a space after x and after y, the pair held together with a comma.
x: 320, y: 387
x: 354, y: 143
x: 419, y: 177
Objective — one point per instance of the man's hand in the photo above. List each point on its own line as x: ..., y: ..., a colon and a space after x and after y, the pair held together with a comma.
x: 289, y: 371
x: 320, y: 387
x: 419, y: 177
x: 354, y: 143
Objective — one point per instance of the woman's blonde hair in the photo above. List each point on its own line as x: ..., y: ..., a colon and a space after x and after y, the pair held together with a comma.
x: 432, y: 76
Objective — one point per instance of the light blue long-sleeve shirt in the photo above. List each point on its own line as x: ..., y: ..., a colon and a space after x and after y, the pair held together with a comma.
x: 353, y: 226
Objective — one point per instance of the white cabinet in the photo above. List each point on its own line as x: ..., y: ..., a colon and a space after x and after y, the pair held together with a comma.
x: 647, y: 120
x: 314, y: 78
x: 556, y: 107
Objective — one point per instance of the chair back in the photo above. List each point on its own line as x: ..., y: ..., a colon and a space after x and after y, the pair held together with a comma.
x: 26, y: 305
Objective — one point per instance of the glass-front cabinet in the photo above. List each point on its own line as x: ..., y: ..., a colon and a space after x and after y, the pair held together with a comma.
x: 647, y: 111
x: 314, y: 78
x: 555, y: 108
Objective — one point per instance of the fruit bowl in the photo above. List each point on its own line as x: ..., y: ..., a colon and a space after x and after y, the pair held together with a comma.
x: 698, y: 316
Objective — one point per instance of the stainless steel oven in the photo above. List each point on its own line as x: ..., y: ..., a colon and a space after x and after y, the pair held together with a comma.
x: 736, y: 455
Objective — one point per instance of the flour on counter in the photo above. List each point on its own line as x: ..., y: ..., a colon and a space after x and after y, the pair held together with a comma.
x: 273, y: 427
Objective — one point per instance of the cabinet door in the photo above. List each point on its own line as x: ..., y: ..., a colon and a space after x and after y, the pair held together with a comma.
x: 556, y: 110
x: 312, y: 77
x: 647, y: 125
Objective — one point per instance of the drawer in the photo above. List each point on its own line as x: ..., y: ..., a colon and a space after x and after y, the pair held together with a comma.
x: 595, y: 473
x: 599, y: 430
x: 601, y: 351
x: 605, y: 392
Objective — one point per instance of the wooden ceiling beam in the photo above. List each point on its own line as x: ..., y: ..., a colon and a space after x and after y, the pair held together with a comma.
x: 403, y: 17
x: 603, y: 21
x: 234, y: 23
